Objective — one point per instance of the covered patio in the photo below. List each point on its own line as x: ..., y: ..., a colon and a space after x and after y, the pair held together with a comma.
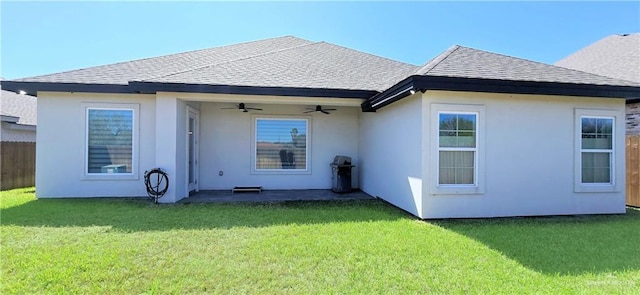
x: 227, y: 196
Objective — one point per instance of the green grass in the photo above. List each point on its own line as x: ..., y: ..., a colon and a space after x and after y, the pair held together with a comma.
x: 88, y: 246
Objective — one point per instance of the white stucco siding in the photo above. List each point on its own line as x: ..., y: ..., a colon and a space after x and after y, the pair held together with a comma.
x: 391, y: 148
x: 530, y: 158
x: 60, y: 148
x: 226, y: 137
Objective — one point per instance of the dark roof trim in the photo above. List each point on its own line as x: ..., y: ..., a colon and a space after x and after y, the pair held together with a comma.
x: 32, y: 88
x: 16, y: 126
x: 395, y: 93
x: 424, y: 83
x: 9, y: 119
x: 153, y: 87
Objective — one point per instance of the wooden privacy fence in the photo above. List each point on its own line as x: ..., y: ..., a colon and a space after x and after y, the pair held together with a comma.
x: 18, y: 164
x: 633, y: 170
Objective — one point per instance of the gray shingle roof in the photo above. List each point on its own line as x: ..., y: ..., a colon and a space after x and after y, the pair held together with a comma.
x: 121, y: 73
x: 315, y: 65
x: 17, y: 105
x: 616, y: 56
x: 294, y: 63
x: 278, y: 62
x: 464, y: 62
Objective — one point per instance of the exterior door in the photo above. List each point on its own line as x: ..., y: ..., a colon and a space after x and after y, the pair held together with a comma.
x: 193, y: 118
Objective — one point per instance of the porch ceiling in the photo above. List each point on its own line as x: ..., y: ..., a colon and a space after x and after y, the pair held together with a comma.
x: 263, y: 99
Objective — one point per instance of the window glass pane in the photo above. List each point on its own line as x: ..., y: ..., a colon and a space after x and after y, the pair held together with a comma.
x: 110, y: 141
x: 597, y: 133
x: 281, y: 144
x: 456, y: 167
x: 466, y: 139
x: 596, y: 167
x: 457, y: 130
x: 466, y: 122
x: 448, y: 122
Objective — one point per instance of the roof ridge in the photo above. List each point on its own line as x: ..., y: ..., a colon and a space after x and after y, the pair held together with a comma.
x: 229, y: 61
x: 436, y: 60
x: 367, y: 53
x: 502, y: 54
x: 626, y: 34
x: 165, y: 55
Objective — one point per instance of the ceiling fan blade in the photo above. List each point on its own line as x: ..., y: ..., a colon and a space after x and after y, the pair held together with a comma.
x: 311, y: 111
x: 254, y: 109
x: 329, y: 109
x: 324, y: 111
x: 229, y: 108
x: 245, y: 111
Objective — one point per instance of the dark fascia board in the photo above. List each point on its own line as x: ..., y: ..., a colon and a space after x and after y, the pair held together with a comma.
x: 395, y: 93
x: 424, y: 83
x: 153, y: 87
x: 32, y: 88
x: 9, y: 119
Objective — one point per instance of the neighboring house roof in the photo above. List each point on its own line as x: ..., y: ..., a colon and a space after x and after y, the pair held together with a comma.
x: 18, y: 108
x: 292, y: 66
x: 615, y: 56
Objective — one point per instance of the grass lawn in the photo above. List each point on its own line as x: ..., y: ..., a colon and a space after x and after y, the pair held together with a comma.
x: 132, y: 246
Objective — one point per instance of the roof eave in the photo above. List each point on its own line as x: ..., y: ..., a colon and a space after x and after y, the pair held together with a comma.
x: 32, y: 88
x: 424, y: 83
x: 9, y: 118
x: 153, y: 87
x: 398, y: 91
x: 17, y: 126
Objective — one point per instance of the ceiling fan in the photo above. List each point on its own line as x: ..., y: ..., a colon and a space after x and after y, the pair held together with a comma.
x: 243, y: 108
x: 319, y: 109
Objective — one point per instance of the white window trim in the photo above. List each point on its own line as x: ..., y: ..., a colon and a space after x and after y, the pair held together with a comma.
x: 580, y: 187
x: 134, y: 175
x: 479, y: 157
x: 254, y: 139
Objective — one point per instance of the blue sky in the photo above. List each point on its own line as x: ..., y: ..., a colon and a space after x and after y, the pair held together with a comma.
x: 46, y: 37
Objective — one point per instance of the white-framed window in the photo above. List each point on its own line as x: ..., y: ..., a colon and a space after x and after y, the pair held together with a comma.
x: 596, y: 150
x: 457, y: 149
x: 281, y: 145
x: 110, y: 141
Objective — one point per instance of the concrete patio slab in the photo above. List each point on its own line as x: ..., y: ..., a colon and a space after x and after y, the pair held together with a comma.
x: 226, y: 196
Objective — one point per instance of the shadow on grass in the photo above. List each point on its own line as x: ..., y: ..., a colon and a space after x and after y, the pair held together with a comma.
x: 565, y: 245
x: 141, y: 215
